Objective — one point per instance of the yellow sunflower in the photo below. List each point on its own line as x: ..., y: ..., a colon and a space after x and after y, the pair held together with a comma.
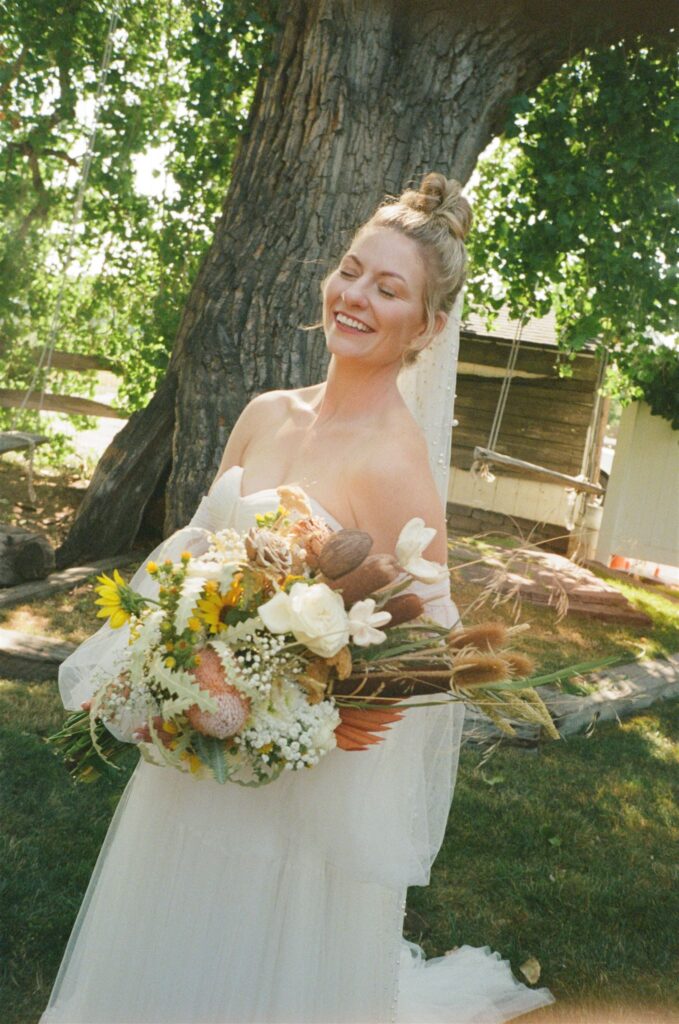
x: 211, y: 608
x: 112, y: 593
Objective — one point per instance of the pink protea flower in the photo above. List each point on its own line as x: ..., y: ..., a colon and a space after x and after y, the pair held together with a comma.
x: 311, y: 533
x: 232, y: 707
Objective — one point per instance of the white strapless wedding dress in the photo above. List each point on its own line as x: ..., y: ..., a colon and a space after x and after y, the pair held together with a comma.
x: 220, y: 904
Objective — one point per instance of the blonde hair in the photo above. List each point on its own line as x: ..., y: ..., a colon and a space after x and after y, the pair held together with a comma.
x: 438, y: 218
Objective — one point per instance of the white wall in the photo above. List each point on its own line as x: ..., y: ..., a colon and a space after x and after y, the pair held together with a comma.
x: 641, y: 510
x: 538, y: 500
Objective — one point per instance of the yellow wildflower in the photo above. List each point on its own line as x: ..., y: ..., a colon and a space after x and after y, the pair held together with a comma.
x: 151, y: 568
x: 290, y: 579
x: 194, y: 762
x: 111, y: 593
x: 185, y: 556
x: 170, y: 662
x: 195, y: 624
x: 212, y: 607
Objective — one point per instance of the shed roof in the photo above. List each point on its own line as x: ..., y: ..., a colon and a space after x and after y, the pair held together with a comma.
x: 540, y: 331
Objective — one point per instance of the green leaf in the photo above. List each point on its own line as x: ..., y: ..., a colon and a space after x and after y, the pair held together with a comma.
x: 211, y: 752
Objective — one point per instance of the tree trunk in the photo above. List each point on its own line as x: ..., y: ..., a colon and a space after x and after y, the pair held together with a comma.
x: 123, y: 482
x: 360, y: 99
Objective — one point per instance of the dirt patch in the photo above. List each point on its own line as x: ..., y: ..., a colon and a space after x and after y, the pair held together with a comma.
x: 58, y: 497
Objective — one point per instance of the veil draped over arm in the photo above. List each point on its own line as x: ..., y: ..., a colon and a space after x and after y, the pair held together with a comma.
x: 102, y: 655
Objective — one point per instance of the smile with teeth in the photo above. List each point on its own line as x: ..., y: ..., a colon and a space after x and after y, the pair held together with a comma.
x: 348, y: 321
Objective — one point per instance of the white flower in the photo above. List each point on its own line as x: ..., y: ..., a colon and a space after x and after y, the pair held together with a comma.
x: 412, y: 540
x: 212, y: 569
x: 362, y: 622
x: 314, y: 614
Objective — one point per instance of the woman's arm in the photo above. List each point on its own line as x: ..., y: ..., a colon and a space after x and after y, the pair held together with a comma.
x: 254, y: 419
x: 392, y: 487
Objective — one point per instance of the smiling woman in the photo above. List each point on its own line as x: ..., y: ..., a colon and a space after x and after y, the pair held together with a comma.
x: 286, y: 903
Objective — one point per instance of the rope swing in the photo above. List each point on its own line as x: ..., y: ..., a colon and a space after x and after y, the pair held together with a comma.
x: 485, y: 457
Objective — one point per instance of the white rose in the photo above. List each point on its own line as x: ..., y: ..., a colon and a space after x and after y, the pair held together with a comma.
x: 314, y: 614
x: 412, y: 540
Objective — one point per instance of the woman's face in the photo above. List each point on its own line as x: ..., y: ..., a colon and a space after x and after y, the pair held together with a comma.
x: 373, y: 305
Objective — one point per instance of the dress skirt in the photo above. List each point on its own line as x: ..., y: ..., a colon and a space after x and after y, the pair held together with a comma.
x: 221, y: 904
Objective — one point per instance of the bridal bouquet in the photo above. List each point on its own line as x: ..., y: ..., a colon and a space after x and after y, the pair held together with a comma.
x: 274, y: 647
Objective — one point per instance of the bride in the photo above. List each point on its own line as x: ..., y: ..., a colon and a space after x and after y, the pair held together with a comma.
x: 286, y: 903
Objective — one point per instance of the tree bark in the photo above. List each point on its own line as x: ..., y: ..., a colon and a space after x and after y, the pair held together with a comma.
x: 360, y: 99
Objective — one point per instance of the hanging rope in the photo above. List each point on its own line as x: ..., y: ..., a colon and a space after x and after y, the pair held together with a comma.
x: 485, y: 457
x: 44, y: 365
x: 482, y: 467
x: 506, y: 382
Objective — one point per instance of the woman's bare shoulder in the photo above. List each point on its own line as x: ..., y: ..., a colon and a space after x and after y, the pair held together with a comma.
x: 262, y: 415
x: 270, y: 407
x: 391, y: 484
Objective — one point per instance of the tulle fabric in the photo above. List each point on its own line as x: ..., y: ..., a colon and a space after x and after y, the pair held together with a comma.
x: 284, y: 903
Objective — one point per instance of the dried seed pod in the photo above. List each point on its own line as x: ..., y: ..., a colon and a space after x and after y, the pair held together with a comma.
x: 479, y: 669
x: 487, y: 636
x: 403, y: 608
x: 374, y: 572
x: 344, y: 551
x: 520, y: 664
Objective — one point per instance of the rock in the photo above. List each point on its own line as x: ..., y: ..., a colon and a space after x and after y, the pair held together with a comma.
x: 24, y: 556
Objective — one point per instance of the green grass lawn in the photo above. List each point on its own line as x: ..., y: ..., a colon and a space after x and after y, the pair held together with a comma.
x: 568, y: 855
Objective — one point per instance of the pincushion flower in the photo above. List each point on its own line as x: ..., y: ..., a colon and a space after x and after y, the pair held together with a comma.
x: 363, y: 623
x: 412, y: 540
x: 314, y: 614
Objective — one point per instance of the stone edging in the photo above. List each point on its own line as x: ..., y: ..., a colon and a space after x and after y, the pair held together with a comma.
x: 622, y: 691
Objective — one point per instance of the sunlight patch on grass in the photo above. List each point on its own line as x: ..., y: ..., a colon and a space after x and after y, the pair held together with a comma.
x: 26, y: 619
x: 662, y: 746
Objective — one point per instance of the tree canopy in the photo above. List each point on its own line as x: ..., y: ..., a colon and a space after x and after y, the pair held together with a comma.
x: 574, y: 208
x: 179, y: 84
x: 576, y: 211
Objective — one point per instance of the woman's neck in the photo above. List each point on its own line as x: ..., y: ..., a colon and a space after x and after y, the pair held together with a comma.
x: 355, y: 392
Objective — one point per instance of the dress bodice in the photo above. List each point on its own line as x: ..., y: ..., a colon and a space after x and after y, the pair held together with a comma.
x: 227, y: 506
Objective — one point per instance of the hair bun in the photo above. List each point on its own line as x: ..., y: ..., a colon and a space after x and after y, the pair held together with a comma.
x: 442, y: 197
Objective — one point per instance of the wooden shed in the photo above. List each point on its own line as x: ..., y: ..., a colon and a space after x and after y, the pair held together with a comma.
x: 554, y: 422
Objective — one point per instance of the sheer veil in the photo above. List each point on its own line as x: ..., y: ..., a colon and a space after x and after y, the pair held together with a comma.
x: 428, y: 387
